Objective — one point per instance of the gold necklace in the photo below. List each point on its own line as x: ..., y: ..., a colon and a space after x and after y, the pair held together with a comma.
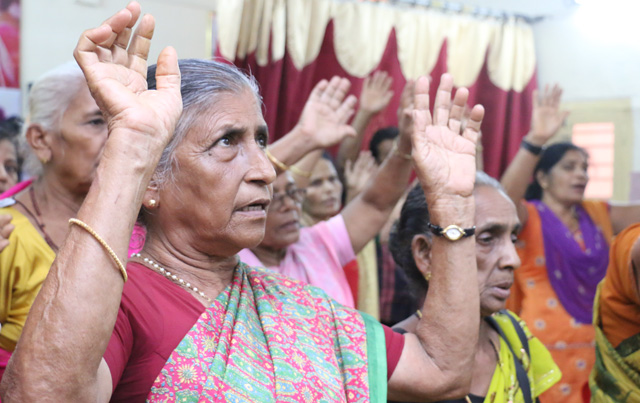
x: 157, y: 268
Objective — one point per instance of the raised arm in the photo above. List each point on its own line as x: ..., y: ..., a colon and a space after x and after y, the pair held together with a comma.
x: 322, y: 124
x: 437, y: 362
x: 374, y: 98
x: 59, y: 356
x: 366, y: 214
x: 546, y: 120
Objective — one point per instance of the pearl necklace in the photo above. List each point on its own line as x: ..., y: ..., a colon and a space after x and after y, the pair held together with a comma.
x: 156, y: 267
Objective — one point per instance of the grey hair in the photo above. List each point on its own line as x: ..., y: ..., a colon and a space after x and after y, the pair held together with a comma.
x: 49, y: 97
x: 483, y: 179
x: 203, y: 81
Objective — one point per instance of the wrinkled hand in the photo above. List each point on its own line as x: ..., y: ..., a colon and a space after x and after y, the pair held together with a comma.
x: 358, y: 173
x: 325, y: 115
x: 444, y: 158
x: 546, y: 118
x: 376, y: 92
x: 116, y: 73
x: 5, y: 230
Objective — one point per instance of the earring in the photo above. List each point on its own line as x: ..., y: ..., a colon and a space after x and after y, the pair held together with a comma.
x: 427, y: 276
x: 153, y: 203
x: 44, y: 160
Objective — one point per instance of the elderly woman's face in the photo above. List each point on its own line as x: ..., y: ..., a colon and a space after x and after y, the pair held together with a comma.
x: 497, y: 226
x: 324, y: 193
x: 283, y: 221
x: 77, y: 147
x: 216, y: 202
x: 8, y: 165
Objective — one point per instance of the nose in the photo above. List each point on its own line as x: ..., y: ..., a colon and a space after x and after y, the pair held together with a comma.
x: 260, y: 168
x: 509, y: 259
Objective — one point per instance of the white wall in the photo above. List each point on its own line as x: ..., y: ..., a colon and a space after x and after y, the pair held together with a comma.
x: 51, y: 28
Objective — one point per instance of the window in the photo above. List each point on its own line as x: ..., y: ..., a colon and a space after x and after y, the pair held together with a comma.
x: 598, y: 140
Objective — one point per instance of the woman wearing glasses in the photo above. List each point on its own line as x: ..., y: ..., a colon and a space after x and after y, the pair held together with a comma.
x: 317, y: 254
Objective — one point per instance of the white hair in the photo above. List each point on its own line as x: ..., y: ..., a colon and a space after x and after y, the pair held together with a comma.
x: 49, y: 97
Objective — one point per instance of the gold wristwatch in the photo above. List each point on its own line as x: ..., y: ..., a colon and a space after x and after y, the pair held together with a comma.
x: 452, y: 232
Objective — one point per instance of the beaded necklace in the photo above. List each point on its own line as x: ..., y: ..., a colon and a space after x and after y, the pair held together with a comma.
x: 159, y: 269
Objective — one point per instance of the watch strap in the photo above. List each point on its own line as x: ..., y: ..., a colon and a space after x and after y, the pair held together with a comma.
x: 446, y: 231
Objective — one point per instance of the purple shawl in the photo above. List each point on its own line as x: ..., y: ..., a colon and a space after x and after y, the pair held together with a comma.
x: 574, y: 273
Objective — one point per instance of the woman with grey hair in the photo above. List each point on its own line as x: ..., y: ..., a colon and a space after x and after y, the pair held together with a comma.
x: 65, y: 133
x: 185, y: 320
x: 510, y: 365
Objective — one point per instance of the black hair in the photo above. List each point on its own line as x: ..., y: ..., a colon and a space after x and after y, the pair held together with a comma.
x: 388, y: 133
x: 10, y: 130
x: 548, y: 159
x: 414, y: 220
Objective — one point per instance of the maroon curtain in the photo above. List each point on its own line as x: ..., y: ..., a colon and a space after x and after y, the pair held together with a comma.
x: 285, y: 89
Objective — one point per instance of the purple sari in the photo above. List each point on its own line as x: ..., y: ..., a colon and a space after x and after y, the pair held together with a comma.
x: 574, y: 273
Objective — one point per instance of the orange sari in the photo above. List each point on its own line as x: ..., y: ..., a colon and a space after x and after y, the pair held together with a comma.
x: 532, y: 297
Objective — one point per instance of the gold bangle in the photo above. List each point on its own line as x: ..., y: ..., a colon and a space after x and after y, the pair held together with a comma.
x: 275, y: 161
x: 300, y: 172
x: 102, y: 242
x: 397, y: 152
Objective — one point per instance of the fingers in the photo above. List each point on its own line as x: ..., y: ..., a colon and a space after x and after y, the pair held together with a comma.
x: 457, y: 109
x: 331, y: 91
x: 421, y: 114
x: 119, y: 47
x: 139, y: 48
x: 5, y: 230
x: 442, y: 104
x: 346, y: 109
x: 472, y: 128
x: 317, y: 91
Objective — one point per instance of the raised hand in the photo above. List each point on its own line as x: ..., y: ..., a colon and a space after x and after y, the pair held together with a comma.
x: 405, y: 109
x: 357, y: 174
x: 325, y: 115
x: 5, y: 230
x: 444, y: 158
x: 546, y: 118
x: 116, y: 72
x: 376, y: 92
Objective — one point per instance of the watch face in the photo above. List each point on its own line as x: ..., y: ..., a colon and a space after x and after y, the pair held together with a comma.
x: 453, y: 232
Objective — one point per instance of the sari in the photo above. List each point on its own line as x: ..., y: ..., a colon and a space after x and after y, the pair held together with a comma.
x: 616, y: 374
x: 534, y: 298
x: 267, y: 338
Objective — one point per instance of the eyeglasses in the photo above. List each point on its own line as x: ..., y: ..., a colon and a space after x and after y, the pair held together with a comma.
x: 295, y: 194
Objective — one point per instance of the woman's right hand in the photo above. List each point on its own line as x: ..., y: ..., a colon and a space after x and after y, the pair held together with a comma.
x: 546, y: 117
x: 116, y: 72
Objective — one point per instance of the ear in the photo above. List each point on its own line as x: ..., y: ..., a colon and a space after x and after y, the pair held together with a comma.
x: 151, y: 198
x: 421, y: 251
x: 543, y: 179
x: 40, y: 142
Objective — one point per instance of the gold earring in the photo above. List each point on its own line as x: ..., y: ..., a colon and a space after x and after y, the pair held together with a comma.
x: 427, y: 276
x: 44, y: 161
x: 153, y: 203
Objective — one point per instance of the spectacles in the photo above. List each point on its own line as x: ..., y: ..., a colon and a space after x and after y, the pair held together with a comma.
x: 295, y: 194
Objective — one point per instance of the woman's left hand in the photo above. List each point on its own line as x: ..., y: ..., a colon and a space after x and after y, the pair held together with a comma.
x: 443, y: 154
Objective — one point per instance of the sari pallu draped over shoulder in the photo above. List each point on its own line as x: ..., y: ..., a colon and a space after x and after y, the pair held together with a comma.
x: 265, y: 339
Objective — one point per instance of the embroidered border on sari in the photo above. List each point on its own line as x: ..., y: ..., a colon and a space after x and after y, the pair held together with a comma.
x: 376, y: 359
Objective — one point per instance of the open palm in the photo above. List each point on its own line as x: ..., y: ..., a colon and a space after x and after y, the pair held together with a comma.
x: 116, y: 73
x: 445, y: 159
x: 325, y: 115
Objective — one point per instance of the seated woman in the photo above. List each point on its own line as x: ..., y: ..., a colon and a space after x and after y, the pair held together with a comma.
x: 192, y: 323
x: 616, y: 374
x: 505, y: 345
x: 66, y: 134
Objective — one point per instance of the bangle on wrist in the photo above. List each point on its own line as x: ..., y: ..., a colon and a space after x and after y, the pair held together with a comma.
x: 532, y: 148
x: 396, y: 151
x: 275, y: 161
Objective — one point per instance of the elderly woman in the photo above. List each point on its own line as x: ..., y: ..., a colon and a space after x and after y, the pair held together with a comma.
x: 564, y: 245
x: 194, y: 324
x: 318, y: 254
x: 66, y: 134
x: 510, y: 364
